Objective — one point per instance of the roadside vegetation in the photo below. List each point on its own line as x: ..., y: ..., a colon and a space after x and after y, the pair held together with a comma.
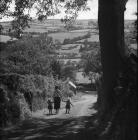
x: 29, y: 73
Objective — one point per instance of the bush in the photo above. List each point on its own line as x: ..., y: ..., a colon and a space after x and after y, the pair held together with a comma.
x: 17, y: 86
x: 64, y: 88
x: 69, y: 41
x: 91, y: 61
x: 28, y: 56
x: 68, y: 72
x: 14, y: 107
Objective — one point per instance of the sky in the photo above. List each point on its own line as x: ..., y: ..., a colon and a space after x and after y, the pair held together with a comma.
x: 131, y: 9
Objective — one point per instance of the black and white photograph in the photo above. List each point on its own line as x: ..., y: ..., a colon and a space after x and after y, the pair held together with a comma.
x: 68, y: 70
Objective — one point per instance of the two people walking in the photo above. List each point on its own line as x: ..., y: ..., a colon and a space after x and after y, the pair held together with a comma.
x: 57, y: 102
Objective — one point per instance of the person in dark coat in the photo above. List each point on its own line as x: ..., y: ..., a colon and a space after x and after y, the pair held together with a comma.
x: 57, y: 99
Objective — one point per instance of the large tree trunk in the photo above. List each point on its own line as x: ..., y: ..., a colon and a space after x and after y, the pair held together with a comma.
x: 111, y: 35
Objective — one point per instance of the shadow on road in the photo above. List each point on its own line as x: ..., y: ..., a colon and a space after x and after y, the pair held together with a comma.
x: 70, y: 127
x: 52, y: 129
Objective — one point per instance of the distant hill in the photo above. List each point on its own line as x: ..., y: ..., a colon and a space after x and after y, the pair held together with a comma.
x: 49, y: 24
x: 56, y: 24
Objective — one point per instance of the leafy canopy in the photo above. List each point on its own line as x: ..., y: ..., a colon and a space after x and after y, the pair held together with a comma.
x: 44, y: 8
x: 28, y: 56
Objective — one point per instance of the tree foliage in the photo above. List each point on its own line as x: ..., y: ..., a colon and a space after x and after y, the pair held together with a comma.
x: 28, y: 56
x: 56, y: 69
x: 68, y: 72
x: 92, y: 62
x: 62, y: 71
x: 44, y: 9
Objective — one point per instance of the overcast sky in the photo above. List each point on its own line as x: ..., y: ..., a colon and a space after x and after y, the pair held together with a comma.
x: 131, y: 9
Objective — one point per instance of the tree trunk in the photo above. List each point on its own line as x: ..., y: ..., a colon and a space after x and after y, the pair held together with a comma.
x: 111, y: 35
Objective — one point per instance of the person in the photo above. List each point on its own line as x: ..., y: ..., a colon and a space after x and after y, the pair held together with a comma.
x: 68, y: 105
x: 50, y: 106
x: 57, y: 99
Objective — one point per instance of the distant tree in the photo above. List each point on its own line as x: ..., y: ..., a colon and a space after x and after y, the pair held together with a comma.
x: 66, y: 41
x: 29, y: 56
x: 21, y: 13
x: 81, y: 48
x: 68, y: 71
x: 56, y: 69
x: 85, y: 43
x: 57, y: 42
x: 92, y: 77
x: 79, y: 65
x: 69, y: 63
x: 19, y: 25
x: 93, y: 24
x: 91, y: 62
x: 69, y: 23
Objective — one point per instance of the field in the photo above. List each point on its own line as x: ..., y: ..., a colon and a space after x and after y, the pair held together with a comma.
x: 4, y: 38
x: 67, y: 35
x: 70, y: 51
x: 47, y: 25
x: 75, y: 60
x: 68, y: 48
x: 93, y: 38
x: 81, y: 79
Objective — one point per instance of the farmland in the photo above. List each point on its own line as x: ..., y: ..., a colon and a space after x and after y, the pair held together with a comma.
x: 68, y: 51
x: 71, y: 46
x: 64, y: 35
x: 5, y: 38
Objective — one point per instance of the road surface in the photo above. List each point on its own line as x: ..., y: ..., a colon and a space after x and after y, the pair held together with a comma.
x: 58, y: 126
